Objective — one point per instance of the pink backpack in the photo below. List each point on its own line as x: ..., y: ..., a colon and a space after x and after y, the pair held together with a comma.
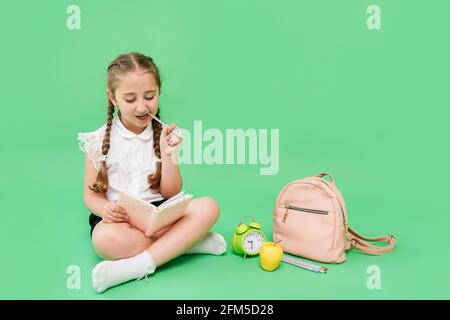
x: 310, y: 219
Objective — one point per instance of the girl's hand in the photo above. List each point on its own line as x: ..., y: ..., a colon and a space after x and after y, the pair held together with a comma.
x: 168, y: 141
x: 114, y: 213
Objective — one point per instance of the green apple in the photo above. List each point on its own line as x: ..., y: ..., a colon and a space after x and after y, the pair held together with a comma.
x: 270, y: 255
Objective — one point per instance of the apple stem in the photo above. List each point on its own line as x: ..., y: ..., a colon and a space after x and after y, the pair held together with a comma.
x: 276, y: 242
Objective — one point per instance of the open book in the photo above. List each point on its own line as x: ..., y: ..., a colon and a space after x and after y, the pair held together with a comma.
x: 149, y: 218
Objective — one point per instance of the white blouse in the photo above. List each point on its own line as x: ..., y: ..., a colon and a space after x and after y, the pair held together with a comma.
x: 131, y: 158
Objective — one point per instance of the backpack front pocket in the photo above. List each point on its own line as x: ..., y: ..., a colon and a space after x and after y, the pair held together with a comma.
x: 306, y: 231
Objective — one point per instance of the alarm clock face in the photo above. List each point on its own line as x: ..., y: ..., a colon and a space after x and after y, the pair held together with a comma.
x: 252, y: 242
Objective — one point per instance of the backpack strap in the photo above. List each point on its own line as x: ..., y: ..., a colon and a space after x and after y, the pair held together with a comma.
x: 361, y: 243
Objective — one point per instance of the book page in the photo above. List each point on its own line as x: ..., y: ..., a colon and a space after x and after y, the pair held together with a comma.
x: 169, y: 213
x: 149, y: 218
x: 172, y: 200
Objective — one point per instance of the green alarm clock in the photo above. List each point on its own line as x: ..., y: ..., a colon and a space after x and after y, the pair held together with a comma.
x: 247, y: 239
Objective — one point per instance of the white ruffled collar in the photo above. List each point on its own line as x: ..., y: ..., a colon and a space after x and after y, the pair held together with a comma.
x: 127, y: 134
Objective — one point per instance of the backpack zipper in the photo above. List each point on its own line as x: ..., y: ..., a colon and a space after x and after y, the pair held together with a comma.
x: 308, y: 210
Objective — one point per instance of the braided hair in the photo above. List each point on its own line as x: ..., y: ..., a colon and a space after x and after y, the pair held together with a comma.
x: 122, y: 64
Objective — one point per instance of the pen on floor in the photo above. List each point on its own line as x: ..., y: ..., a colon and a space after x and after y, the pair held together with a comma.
x: 310, y: 265
x: 307, y: 267
x: 165, y: 125
x: 304, y: 264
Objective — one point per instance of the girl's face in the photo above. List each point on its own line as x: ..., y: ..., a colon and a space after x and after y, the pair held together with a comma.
x: 136, y: 95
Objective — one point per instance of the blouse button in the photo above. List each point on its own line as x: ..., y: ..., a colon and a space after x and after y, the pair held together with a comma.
x: 135, y: 143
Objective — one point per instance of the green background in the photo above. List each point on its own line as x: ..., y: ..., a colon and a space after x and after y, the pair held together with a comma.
x: 369, y: 106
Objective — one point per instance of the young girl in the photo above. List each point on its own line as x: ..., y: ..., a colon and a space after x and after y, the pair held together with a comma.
x: 133, y: 153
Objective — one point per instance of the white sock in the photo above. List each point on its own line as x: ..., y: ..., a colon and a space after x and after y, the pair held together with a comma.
x: 212, y: 243
x: 109, y: 273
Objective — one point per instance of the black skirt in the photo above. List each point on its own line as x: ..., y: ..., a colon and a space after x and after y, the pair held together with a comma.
x: 93, y: 219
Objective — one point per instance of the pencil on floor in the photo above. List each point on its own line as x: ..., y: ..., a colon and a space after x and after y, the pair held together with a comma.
x: 303, y: 264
